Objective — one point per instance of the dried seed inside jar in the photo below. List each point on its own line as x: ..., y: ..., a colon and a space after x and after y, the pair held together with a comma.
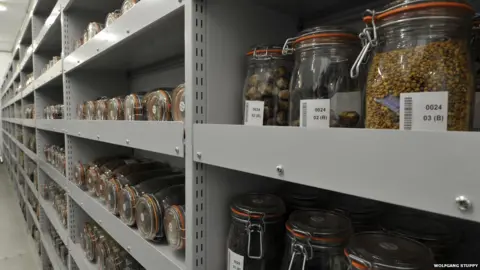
x: 437, y: 66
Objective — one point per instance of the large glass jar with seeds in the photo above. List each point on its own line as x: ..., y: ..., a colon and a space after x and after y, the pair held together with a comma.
x: 266, y: 87
x: 322, y: 94
x: 420, y: 75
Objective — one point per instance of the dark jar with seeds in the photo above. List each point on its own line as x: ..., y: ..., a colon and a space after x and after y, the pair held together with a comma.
x: 382, y: 251
x: 267, y: 82
x: 420, y: 75
x: 315, y: 240
x: 255, y: 239
x: 322, y: 94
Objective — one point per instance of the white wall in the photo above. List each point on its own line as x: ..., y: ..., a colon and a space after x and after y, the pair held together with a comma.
x: 4, y: 61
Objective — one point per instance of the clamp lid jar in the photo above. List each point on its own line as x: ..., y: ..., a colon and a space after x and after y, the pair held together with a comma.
x: 266, y: 86
x: 315, y: 240
x: 420, y: 75
x: 322, y: 94
x: 377, y: 250
x: 174, y: 222
x: 255, y: 239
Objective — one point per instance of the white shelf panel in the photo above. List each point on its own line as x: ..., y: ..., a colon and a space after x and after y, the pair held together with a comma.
x: 28, y: 89
x: 161, y: 137
x: 57, y: 125
x: 56, y: 176
x: 52, y: 254
x: 13, y: 120
x: 52, y: 19
x: 28, y: 122
x: 423, y: 170
x: 50, y: 74
x: 139, y: 18
x: 150, y: 256
x: 54, y: 219
x: 27, y: 151
x: 79, y: 257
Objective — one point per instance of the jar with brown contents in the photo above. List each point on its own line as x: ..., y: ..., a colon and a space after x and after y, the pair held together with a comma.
x: 135, y: 106
x: 115, y: 108
x: 101, y: 112
x: 159, y: 106
x: 422, y: 49
x: 178, y: 103
x: 322, y: 94
x: 267, y: 81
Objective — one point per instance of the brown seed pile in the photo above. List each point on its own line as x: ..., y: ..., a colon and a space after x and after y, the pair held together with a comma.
x: 437, y: 66
x: 270, y: 85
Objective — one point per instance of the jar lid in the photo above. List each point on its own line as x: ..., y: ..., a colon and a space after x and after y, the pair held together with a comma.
x: 261, y: 50
x: 159, y: 106
x: 326, y: 32
x: 401, y: 6
x: 174, y: 222
x: 371, y: 249
x: 92, y: 176
x: 178, y: 102
x: 257, y: 206
x: 126, y: 207
x: 133, y: 107
x: 147, y: 216
x: 113, y: 188
x: 115, y: 108
x: 319, y: 226
x: 79, y: 174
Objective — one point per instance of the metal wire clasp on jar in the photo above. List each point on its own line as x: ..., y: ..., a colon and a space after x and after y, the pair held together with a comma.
x: 420, y: 75
x: 322, y: 94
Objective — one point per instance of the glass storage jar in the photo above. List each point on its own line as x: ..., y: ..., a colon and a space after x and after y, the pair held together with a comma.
x: 94, y: 173
x: 81, y: 111
x: 322, y: 94
x: 267, y: 81
x: 90, y: 111
x: 135, y: 105
x: 174, y: 223
x: 315, y: 240
x: 363, y: 213
x: 81, y: 170
x: 150, y: 210
x: 117, y: 183
x: 420, y: 76
x: 381, y: 251
x: 115, y: 108
x: 93, y: 29
x: 159, y: 106
x: 112, y: 16
x: 101, y: 112
x: 178, y: 103
x: 128, y: 4
x: 255, y: 238
x: 129, y: 196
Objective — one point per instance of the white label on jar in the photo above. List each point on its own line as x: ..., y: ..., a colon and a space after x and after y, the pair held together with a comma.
x: 154, y: 109
x: 124, y: 207
x: 182, y: 106
x: 347, y: 102
x: 254, y: 113
x: 235, y: 261
x: 142, y: 217
x: 424, y: 111
x: 170, y: 227
x: 315, y: 113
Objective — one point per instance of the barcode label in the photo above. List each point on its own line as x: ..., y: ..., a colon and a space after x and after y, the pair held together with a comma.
x: 424, y: 111
x: 407, y: 114
x: 304, y: 114
x: 254, y: 113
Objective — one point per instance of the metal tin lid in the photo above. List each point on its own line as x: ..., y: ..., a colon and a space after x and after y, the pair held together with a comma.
x: 373, y: 249
x: 174, y: 223
x: 147, y: 216
x: 319, y: 226
x: 257, y: 206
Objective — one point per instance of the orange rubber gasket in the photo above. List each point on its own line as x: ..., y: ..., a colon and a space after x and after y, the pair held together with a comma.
x: 279, y: 51
x: 368, y: 19
x: 182, y: 222
x: 324, y: 35
x: 251, y: 215
x: 154, y: 212
x: 302, y: 236
x: 354, y: 263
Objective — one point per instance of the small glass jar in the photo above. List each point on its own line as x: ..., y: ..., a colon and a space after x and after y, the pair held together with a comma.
x: 85, y: 36
x: 315, y: 240
x: 101, y: 111
x: 255, y: 239
x: 130, y: 195
x: 420, y: 76
x: 79, y: 174
x: 159, y: 106
x: 112, y: 16
x: 128, y: 4
x: 381, y: 251
x: 134, y: 107
x: 322, y: 94
x: 150, y: 210
x: 174, y: 223
x: 115, y: 108
x: 93, y: 29
x: 81, y: 111
x: 94, y: 173
x: 363, y: 213
x: 90, y: 111
x: 267, y: 81
x: 178, y: 103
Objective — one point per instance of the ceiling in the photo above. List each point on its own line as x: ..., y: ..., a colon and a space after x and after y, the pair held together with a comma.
x: 11, y: 22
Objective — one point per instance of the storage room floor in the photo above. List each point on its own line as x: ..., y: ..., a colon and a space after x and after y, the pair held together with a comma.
x: 16, y: 252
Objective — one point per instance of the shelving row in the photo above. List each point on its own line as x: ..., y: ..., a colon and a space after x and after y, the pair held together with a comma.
x: 159, y: 45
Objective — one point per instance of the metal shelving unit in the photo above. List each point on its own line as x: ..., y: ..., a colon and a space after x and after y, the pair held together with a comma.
x: 162, y: 43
